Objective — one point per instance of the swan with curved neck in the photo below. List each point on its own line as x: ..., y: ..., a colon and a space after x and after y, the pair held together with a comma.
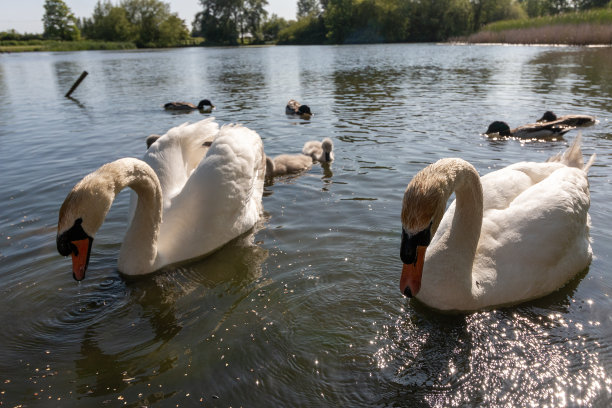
x: 510, y: 236
x: 191, y: 199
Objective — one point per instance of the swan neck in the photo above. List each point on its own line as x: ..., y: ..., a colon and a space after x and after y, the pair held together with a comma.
x: 139, y: 249
x: 469, y: 207
x: 463, y: 236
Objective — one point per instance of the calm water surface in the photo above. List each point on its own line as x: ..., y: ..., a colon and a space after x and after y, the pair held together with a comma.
x: 306, y: 310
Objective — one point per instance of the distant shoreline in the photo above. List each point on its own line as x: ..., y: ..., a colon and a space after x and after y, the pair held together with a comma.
x: 560, y: 35
x: 585, y: 34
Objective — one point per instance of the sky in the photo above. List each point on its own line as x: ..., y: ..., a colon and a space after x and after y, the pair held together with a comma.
x: 26, y: 15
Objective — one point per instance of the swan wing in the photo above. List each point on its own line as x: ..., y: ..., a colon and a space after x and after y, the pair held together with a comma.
x: 177, y: 153
x: 536, y: 240
x: 220, y: 200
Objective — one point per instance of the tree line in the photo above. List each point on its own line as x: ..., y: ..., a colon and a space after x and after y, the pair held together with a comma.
x: 372, y: 21
x: 151, y: 23
x: 146, y: 23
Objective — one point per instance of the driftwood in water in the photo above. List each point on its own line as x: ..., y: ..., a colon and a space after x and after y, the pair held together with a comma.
x: 77, y: 83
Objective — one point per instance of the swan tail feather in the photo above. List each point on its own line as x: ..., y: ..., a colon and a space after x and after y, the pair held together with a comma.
x: 572, y: 157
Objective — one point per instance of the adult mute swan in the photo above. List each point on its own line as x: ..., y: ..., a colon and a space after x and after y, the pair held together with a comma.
x: 319, y: 151
x: 510, y: 236
x: 191, y: 199
x: 568, y: 120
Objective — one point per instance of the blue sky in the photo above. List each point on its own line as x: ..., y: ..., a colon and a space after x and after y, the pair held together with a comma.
x: 26, y: 15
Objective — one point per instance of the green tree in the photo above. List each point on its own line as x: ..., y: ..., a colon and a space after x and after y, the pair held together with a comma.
x: 307, y: 7
x: 488, y: 11
x: 339, y: 20
x: 223, y: 21
x: 254, y: 14
x: 172, y: 31
x: 152, y: 20
x: 307, y: 30
x: 272, y: 26
x: 109, y: 23
x: 457, y: 19
x: 59, y: 23
x: 217, y: 22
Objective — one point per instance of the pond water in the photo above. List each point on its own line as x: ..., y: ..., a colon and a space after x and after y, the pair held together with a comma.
x: 304, y: 311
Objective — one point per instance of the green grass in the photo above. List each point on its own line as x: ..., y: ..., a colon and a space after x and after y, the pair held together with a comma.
x: 50, y: 45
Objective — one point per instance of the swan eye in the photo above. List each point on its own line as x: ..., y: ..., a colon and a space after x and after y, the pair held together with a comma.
x: 410, y: 242
x: 65, y: 240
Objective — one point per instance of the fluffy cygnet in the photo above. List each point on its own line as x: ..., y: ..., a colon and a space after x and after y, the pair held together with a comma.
x: 286, y: 164
x: 319, y: 151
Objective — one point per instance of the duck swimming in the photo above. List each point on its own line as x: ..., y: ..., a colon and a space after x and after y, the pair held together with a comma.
x: 295, y: 108
x: 319, y: 151
x: 568, y: 120
x: 203, y: 106
x: 515, y: 234
x: 531, y: 131
x: 189, y: 199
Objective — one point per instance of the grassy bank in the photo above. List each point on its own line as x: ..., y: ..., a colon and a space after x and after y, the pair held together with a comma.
x: 593, y: 27
x: 49, y: 45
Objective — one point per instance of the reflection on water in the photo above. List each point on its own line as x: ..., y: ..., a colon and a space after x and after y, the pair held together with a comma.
x: 513, y: 357
x: 304, y: 311
x: 589, y: 67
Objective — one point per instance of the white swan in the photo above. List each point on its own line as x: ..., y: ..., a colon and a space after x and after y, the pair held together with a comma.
x: 284, y: 164
x: 319, y: 151
x: 188, y: 204
x: 512, y: 235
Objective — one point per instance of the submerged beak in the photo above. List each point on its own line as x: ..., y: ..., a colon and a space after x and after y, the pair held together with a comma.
x: 80, y: 257
x: 410, y: 282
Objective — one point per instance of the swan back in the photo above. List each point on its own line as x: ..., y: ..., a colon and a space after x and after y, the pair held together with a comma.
x: 219, y: 201
x: 177, y: 153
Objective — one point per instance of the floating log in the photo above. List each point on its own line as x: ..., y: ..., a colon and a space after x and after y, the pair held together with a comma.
x: 77, y: 83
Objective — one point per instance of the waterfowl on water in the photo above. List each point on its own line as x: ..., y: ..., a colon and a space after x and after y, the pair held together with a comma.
x: 295, y: 108
x: 151, y: 139
x: 203, y: 106
x: 189, y: 201
x: 530, y: 131
x: 567, y: 120
x: 319, y: 151
x: 512, y: 235
x: 287, y: 164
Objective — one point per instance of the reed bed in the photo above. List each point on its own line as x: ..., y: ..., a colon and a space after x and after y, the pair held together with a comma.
x: 559, y: 34
x: 592, y: 27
